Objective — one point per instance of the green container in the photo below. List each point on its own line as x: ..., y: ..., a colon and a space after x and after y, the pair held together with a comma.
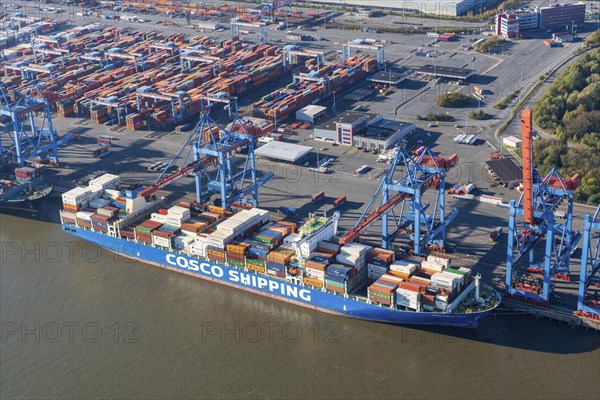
x: 235, y: 263
x: 334, y: 283
x: 256, y: 262
x: 380, y: 295
x: 455, y: 271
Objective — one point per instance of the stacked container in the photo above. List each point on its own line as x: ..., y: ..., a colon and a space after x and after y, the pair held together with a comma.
x: 403, y: 269
x: 77, y: 198
x: 106, y: 181
x: 354, y: 254
x: 143, y: 232
x: 446, y: 280
x: 314, y: 269
x: 336, y: 278
x: 177, y: 215
x: 278, y: 262
x: 236, y: 254
x: 382, y: 292
x: 408, y: 295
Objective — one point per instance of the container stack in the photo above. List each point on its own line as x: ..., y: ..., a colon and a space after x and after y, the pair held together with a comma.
x: 176, y: 216
x: 403, y: 269
x: 355, y: 255
x: 77, y: 198
x: 25, y: 174
x: 382, y: 292
x: 408, y: 295
x: 336, y: 278
x: 446, y: 280
x: 143, y: 232
x: 278, y: 262
x: 236, y: 253
x: 106, y: 181
x: 378, y: 261
x: 315, y: 268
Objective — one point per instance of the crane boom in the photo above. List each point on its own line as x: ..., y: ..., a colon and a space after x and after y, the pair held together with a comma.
x: 526, y: 121
x: 368, y: 221
x: 150, y: 190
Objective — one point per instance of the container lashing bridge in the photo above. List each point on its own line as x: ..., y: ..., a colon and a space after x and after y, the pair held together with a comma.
x: 532, y: 219
x: 428, y: 230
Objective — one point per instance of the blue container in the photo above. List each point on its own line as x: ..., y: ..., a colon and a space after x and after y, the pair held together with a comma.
x: 335, y: 278
x: 275, y: 266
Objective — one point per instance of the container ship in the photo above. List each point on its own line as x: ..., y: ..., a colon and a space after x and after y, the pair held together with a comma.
x: 25, y: 191
x: 303, y: 265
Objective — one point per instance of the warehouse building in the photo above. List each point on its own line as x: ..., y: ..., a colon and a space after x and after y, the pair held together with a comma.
x: 363, y: 130
x: 282, y: 151
x: 445, y: 72
x: 438, y: 7
x: 505, y: 171
x: 311, y: 113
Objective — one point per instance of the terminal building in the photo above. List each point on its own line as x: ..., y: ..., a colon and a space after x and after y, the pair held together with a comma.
x: 512, y: 24
x: 437, y: 7
x: 367, y: 130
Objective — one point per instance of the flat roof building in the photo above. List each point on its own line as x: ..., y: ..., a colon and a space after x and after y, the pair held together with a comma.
x: 561, y: 14
x: 363, y: 130
x: 388, y: 78
x: 506, y: 171
x: 446, y: 72
x: 283, y: 151
x: 438, y: 7
x: 311, y: 113
x: 383, y: 134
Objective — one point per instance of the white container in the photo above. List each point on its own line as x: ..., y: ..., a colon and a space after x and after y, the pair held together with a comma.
x: 158, y: 218
x: 403, y: 267
x: 446, y: 262
x: 432, y: 265
x: 183, y: 241
x: 314, y: 273
x: 86, y: 215
x: 162, y: 242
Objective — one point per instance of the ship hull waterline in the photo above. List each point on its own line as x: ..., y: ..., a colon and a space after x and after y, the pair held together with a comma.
x: 264, y: 285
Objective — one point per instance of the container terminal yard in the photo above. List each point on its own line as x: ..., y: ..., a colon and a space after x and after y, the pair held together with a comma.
x: 127, y: 99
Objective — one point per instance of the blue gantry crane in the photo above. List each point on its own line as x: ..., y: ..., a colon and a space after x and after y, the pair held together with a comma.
x: 209, y: 144
x: 427, y: 230
x: 28, y: 126
x: 588, y: 299
x: 531, y: 220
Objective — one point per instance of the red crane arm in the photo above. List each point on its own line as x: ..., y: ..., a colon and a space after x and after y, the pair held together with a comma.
x: 365, y: 223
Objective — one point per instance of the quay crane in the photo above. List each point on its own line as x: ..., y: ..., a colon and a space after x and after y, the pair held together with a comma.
x: 419, y: 173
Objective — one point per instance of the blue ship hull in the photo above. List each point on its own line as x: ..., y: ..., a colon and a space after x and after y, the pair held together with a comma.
x: 272, y: 287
